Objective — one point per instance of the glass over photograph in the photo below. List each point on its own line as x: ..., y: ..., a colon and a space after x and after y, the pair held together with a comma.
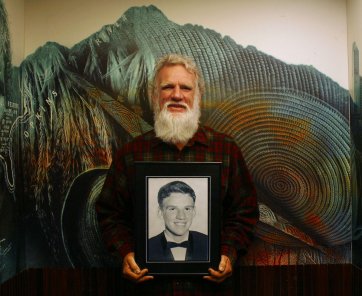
x: 178, y: 219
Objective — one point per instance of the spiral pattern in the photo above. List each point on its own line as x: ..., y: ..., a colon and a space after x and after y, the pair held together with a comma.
x: 297, y: 149
x: 80, y: 230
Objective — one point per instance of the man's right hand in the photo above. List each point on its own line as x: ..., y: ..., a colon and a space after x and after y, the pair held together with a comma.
x: 132, y: 272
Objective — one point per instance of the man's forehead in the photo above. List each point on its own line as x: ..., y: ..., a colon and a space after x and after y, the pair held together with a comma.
x: 179, y: 196
x: 174, y: 66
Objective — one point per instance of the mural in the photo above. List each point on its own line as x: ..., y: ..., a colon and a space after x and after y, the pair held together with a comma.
x: 79, y: 104
x: 11, y: 258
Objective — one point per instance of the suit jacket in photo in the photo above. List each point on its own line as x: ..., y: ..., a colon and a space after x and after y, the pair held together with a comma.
x: 197, y: 250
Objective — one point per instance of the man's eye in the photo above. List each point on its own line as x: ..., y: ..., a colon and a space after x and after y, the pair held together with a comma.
x: 170, y: 209
x: 167, y: 87
x: 185, y: 87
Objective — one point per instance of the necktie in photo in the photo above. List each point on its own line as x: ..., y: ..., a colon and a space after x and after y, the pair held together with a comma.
x: 184, y: 244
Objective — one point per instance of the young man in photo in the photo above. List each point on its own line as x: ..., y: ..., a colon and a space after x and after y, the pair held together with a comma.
x: 176, y: 202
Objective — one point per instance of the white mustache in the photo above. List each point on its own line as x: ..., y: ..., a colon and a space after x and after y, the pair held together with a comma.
x: 176, y: 104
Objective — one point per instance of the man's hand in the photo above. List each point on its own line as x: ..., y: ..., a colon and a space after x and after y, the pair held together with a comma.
x: 225, y: 271
x: 132, y: 272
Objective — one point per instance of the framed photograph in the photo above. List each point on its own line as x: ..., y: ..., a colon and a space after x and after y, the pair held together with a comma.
x: 177, y: 210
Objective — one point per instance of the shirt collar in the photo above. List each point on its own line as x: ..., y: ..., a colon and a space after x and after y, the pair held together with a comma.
x: 170, y: 239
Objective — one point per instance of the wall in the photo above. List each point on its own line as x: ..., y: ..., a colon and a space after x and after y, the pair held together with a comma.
x: 16, y: 19
x: 65, y: 99
x: 354, y: 8
x: 299, y: 32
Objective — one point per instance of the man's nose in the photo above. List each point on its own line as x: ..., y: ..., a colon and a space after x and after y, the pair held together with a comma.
x: 177, y: 94
x: 180, y: 214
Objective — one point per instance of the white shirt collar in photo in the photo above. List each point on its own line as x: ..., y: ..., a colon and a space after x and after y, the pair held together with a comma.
x: 178, y: 253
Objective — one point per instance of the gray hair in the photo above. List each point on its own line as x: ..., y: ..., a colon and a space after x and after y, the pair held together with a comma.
x: 175, y: 59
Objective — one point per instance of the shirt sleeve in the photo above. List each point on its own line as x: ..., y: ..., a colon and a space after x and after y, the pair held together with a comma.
x: 240, y: 210
x: 114, y: 209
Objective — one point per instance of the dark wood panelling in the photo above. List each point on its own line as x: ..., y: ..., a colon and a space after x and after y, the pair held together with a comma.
x: 300, y: 280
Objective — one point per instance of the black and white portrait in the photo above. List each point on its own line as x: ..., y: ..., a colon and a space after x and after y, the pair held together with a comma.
x: 178, y: 219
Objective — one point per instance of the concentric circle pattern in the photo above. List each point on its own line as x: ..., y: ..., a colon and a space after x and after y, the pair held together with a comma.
x: 297, y: 149
x: 80, y: 230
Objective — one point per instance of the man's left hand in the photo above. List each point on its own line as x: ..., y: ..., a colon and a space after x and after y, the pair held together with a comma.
x: 225, y: 270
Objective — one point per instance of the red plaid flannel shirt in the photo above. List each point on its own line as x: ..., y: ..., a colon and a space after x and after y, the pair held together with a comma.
x: 239, y: 214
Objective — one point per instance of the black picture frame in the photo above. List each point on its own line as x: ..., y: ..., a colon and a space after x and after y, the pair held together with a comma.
x: 205, y: 179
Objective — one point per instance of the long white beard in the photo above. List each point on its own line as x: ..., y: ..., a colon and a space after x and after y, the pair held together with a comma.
x: 176, y: 127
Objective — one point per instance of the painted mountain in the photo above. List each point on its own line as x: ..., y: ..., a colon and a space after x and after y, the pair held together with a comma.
x: 82, y: 103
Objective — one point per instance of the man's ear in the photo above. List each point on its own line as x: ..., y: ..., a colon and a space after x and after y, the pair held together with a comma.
x: 159, y: 212
x: 198, y: 96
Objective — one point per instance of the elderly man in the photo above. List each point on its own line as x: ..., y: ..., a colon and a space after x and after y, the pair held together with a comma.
x: 175, y: 94
x: 176, y: 202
